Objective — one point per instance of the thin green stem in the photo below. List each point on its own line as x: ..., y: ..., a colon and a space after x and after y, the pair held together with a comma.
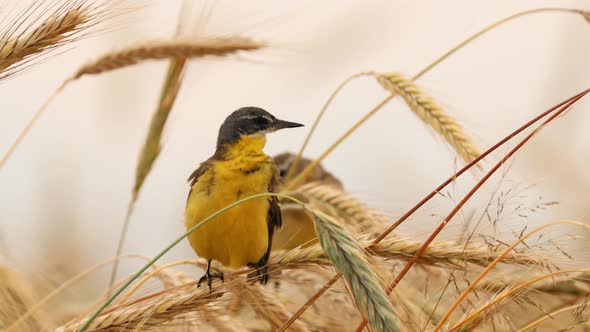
x: 172, y: 245
x: 317, y: 121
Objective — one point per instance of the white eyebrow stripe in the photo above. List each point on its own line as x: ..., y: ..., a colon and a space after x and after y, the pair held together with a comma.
x: 250, y: 117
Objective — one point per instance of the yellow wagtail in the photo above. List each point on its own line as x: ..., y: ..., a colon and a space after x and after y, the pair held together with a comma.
x: 241, y: 236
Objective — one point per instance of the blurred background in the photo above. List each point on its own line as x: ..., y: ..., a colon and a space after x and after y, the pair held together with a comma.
x: 64, y: 193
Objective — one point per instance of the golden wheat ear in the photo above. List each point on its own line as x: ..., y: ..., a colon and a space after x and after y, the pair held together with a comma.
x: 167, y: 49
x: 44, y: 26
x: 431, y: 113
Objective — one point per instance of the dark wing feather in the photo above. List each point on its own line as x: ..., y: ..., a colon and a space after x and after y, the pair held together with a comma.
x: 274, y: 219
x: 194, y: 177
x: 274, y: 211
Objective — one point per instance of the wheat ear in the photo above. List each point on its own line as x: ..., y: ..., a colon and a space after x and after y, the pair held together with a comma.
x: 441, y: 253
x: 430, y: 113
x: 66, y: 24
x: 137, y: 54
x: 152, y: 145
x: 158, y: 50
x: 150, y: 312
x: 355, y: 212
x: 350, y: 259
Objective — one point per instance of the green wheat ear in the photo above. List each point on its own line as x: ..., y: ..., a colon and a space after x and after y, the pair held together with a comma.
x: 350, y: 259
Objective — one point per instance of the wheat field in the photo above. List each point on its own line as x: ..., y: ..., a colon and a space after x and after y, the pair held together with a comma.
x: 439, y: 183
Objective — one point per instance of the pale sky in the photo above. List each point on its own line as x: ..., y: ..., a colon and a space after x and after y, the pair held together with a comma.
x: 64, y: 192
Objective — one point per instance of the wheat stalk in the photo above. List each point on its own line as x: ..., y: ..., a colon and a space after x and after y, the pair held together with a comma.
x: 578, y: 284
x: 350, y: 259
x: 166, y: 49
x: 152, y: 145
x: 430, y: 113
x: 137, y: 54
x: 578, y: 311
x: 64, y: 25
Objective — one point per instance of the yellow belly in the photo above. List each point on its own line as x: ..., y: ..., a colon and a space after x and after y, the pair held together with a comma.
x: 240, y: 235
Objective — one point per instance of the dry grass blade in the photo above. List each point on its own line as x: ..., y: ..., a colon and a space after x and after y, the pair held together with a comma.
x: 431, y: 114
x: 150, y: 312
x: 158, y: 50
x: 350, y: 259
x: 65, y: 24
x: 152, y: 146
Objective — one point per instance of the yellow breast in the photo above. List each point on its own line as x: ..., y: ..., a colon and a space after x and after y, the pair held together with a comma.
x: 240, y: 235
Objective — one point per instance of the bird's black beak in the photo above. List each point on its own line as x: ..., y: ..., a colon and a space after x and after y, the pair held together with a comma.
x: 282, y: 124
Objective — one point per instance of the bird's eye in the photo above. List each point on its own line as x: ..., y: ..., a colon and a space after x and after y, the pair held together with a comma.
x: 261, y: 121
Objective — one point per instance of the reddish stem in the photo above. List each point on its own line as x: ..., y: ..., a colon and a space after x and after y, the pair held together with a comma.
x: 564, y: 106
x: 427, y: 198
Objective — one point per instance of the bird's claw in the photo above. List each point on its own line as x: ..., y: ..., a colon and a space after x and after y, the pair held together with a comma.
x: 261, y: 274
x: 209, y: 277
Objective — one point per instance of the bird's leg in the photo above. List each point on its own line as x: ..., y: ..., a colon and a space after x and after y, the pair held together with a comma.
x: 209, y: 276
x: 261, y: 271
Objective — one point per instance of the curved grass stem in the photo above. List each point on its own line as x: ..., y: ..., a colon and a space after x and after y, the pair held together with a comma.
x: 135, y: 276
x: 298, y: 179
x: 489, y: 268
x: 509, y: 293
x: 327, y: 104
x: 427, y: 198
x: 25, y: 131
x: 436, y: 62
x: 551, y: 315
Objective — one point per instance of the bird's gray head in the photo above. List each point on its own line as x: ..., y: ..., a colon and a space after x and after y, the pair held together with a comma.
x: 249, y: 121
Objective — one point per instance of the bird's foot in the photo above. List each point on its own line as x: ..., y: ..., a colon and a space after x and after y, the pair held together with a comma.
x: 261, y: 273
x: 209, y: 277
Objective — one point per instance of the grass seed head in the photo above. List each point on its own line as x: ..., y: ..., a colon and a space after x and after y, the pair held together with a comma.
x: 431, y: 114
x: 350, y: 259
